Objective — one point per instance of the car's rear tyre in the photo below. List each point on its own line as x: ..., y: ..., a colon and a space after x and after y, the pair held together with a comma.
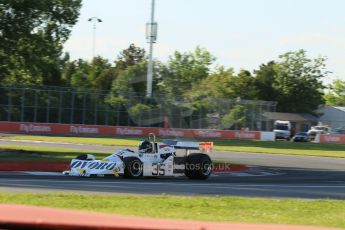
x: 198, y: 166
x: 133, y: 167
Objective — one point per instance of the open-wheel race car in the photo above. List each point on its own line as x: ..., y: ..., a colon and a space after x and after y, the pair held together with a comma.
x: 152, y: 160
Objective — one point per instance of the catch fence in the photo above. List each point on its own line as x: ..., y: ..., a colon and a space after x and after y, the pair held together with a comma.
x: 46, y: 104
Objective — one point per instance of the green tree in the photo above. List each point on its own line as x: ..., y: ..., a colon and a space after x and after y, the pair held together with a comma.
x: 101, y: 74
x: 130, y: 73
x: 140, y: 114
x: 130, y: 67
x: 32, y: 33
x: 265, y: 80
x: 243, y: 85
x: 97, y: 75
x: 336, y: 95
x: 237, y: 118
x: 299, y: 82
x: 70, y: 68
x: 128, y: 93
x: 131, y: 80
x: 184, y: 69
x: 129, y: 57
x: 78, y: 73
x: 222, y: 85
x: 294, y: 81
x: 218, y: 84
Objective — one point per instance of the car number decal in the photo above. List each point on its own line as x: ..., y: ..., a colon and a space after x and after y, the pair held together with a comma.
x: 158, y: 169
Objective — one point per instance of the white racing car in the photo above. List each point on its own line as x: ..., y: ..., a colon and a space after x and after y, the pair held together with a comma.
x: 152, y: 160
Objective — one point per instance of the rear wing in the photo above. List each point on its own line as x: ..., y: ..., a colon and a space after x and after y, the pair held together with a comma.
x: 205, y: 147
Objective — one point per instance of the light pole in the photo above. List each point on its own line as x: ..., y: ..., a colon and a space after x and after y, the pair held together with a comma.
x: 151, y: 37
x: 94, y: 20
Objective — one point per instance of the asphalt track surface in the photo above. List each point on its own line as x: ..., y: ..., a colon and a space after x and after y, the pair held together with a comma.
x: 280, y: 176
x: 257, y: 159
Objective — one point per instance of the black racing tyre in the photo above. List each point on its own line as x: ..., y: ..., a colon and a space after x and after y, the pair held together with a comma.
x: 198, y: 166
x: 133, y: 167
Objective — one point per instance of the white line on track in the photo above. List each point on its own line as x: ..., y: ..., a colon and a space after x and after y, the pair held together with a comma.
x: 43, y: 173
x: 94, y: 182
x: 216, y: 174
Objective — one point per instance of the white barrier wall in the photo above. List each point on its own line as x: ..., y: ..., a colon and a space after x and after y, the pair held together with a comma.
x: 267, y: 136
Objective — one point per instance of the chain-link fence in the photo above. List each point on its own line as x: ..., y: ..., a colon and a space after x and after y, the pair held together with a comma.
x: 72, y: 106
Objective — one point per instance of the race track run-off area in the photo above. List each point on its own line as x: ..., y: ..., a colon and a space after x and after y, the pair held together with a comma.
x: 270, y: 175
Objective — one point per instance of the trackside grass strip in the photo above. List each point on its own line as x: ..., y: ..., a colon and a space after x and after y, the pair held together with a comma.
x: 80, y: 140
x: 278, y: 147
x: 15, y: 153
x: 329, y: 213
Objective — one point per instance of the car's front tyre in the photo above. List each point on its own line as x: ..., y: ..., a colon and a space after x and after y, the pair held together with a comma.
x: 133, y: 167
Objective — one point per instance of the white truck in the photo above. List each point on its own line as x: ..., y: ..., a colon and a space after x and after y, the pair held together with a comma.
x: 282, y: 129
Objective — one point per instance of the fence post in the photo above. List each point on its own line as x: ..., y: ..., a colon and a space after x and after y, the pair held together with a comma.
x: 161, y: 116
x: 84, y: 105
x: 118, y: 115
x: 9, y: 111
x: 106, y: 114
x: 200, y: 115
x: 149, y: 118
x: 22, y: 110
x: 253, y: 115
x: 35, y: 107
x: 139, y: 119
x: 191, y: 121
x: 60, y: 105
x: 181, y: 117
x: 128, y: 108
x: 48, y: 108
x: 96, y: 107
x: 72, y: 108
x: 261, y: 118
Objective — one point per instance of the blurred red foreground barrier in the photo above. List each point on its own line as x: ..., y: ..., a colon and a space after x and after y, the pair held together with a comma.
x: 30, y: 217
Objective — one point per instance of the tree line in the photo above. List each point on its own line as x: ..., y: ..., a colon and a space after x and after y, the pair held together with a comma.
x: 32, y: 34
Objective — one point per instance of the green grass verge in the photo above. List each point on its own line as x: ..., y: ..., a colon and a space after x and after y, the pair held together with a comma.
x: 80, y: 140
x: 329, y: 213
x: 282, y: 147
x: 14, y: 153
x: 279, y: 147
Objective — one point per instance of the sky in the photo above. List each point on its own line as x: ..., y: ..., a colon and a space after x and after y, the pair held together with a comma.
x: 242, y: 34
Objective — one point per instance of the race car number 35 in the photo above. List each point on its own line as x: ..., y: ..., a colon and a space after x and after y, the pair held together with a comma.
x: 158, y: 169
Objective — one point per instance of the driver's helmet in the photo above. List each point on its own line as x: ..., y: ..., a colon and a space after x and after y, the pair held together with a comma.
x: 146, y: 147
